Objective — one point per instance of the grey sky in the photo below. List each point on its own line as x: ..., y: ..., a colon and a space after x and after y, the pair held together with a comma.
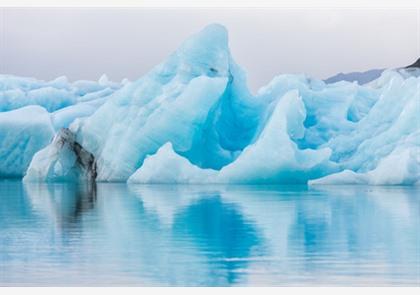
x: 127, y: 42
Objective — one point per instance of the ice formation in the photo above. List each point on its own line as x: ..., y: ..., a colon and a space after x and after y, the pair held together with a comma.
x: 33, y: 111
x: 192, y: 119
x: 23, y: 132
x: 63, y: 160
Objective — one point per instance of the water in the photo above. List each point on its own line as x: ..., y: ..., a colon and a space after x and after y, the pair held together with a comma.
x: 118, y: 234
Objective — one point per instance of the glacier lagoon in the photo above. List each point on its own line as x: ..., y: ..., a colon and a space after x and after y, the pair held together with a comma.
x: 108, y: 234
x: 192, y: 119
x: 184, y: 177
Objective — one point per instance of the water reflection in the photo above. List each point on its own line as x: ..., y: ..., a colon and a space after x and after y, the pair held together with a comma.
x: 220, y: 231
x: 373, y: 230
x: 65, y: 203
x: 114, y: 234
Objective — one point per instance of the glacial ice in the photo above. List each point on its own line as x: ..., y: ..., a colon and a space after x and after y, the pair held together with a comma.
x: 17, y: 92
x: 192, y: 119
x: 23, y: 132
x: 62, y: 160
x: 166, y: 166
x: 400, y: 167
x: 32, y: 111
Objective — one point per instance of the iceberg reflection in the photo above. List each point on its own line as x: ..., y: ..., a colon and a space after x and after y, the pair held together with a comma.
x: 114, y: 234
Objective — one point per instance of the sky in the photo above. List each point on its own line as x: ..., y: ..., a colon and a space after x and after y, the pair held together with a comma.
x: 84, y: 43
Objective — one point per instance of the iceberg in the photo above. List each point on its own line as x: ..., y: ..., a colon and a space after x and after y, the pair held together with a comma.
x: 192, y: 119
x: 400, y: 167
x: 32, y: 112
x: 197, y: 100
x: 23, y: 132
x: 260, y: 162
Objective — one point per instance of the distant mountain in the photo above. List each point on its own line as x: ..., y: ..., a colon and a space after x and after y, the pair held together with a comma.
x: 360, y: 77
x: 414, y: 65
x: 364, y: 77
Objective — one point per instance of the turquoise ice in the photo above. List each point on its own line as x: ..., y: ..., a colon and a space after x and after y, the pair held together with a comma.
x: 192, y: 119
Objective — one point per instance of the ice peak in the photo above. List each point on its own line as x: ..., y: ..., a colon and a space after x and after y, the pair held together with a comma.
x: 207, y: 51
x: 214, y: 33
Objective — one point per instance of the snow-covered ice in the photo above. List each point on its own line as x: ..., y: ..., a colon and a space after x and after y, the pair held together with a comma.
x: 192, y: 119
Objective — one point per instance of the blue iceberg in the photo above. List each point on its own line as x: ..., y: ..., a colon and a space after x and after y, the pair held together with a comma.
x: 192, y: 119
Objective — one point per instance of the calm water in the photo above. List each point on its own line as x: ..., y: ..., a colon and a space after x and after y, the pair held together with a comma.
x: 118, y: 234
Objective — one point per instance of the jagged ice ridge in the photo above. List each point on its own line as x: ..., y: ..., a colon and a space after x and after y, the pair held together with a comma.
x: 192, y: 119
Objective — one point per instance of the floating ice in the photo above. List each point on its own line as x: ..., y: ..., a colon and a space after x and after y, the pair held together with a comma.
x: 32, y: 111
x: 23, y: 132
x: 197, y: 100
x: 400, y: 167
x: 193, y: 120
x: 166, y: 166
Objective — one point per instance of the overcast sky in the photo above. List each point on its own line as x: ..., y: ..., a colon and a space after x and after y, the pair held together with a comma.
x: 127, y: 42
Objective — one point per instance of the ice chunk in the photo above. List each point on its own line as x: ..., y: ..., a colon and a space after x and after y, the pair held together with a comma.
x: 171, y: 103
x: 275, y: 157
x: 17, y: 92
x: 22, y: 133
x: 391, y: 119
x: 25, y: 124
x: 400, y: 167
x: 262, y: 162
x: 63, y: 160
x: 121, y: 135
x: 167, y: 167
x: 48, y: 97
